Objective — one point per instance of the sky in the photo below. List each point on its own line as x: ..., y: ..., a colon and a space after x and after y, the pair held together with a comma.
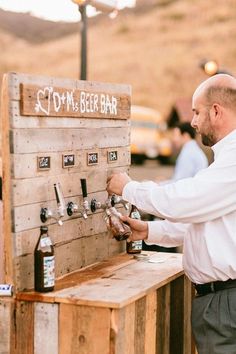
x: 55, y: 10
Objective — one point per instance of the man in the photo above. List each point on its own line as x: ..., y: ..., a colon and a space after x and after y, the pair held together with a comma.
x: 191, y: 158
x: 200, y: 212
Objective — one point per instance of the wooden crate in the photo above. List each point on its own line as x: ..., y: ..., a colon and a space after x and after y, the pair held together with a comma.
x: 51, y: 120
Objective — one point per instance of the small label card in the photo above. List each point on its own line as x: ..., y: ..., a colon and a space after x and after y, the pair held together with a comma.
x: 112, y: 156
x: 68, y: 160
x: 92, y: 158
x: 43, y: 163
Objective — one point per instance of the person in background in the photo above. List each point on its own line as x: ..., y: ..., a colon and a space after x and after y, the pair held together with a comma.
x: 200, y: 213
x: 191, y: 158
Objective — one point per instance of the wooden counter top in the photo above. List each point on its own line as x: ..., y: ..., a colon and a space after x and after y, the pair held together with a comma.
x: 113, y: 283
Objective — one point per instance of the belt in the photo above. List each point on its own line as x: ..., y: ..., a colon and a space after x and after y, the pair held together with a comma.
x: 204, y: 289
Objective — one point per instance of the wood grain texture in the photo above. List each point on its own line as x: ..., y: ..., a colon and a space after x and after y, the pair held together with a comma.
x: 45, y: 328
x: 24, y: 327
x: 60, y: 140
x: 84, y: 330
x: 25, y: 165
x: 7, y: 343
x: 48, y: 100
x: 163, y: 320
x: 6, y: 252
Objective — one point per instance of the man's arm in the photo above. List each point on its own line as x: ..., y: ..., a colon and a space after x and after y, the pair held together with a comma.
x: 206, y: 196
x: 161, y: 232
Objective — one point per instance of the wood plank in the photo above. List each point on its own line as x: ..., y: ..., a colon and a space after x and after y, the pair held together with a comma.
x: 122, y: 335
x: 177, y: 316
x: 163, y: 320
x: 115, y: 247
x: 2, y: 270
x: 94, y: 248
x: 19, y: 121
x: 17, y: 78
x: 48, y: 100
x: 140, y: 319
x: 46, y: 329
x: 39, y: 189
x: 7, y: 325
x: 25, y: 241
x: 150, y: 323
x: 70, y: 256
x: 103, y: 269
x: 24, y: 327
x: 27, y: 217
x: 84, y: 330
x: 25, y: 165
x: 125, y: 285
x: 188, y: 337
x: 60, y: 140
x: 6, y: 252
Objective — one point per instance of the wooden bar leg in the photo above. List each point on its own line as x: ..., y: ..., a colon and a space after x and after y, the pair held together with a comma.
x: 163, y: 320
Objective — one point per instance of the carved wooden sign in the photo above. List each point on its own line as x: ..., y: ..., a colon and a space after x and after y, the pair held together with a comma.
x: 52, y: 101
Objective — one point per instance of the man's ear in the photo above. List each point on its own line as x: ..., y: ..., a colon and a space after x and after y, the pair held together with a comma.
x: 216, y: 111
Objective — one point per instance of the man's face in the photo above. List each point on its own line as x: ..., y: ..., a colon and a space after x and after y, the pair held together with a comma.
x: 202, y: 121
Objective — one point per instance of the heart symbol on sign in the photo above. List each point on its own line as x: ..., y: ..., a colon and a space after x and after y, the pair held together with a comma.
x: 42, y: 96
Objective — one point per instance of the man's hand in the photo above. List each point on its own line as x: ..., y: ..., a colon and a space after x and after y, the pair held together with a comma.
x: 139, y: 228
x: 116, y: 183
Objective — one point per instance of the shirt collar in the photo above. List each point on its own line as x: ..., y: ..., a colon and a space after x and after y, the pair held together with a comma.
x: 223, y: 142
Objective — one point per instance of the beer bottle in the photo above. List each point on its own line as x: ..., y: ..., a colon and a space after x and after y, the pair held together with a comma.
x: 44, y: 262
x: 120, y: 230
x: 134, y: 246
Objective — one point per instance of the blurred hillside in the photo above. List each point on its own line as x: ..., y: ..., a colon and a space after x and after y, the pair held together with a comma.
x: 155, y: 47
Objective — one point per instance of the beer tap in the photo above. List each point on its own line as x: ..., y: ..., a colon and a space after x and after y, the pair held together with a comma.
x: 119, y: 200
x: 60, y: 202
x: 95, y: 205
x: 74, y: 208
x: 46, y: 213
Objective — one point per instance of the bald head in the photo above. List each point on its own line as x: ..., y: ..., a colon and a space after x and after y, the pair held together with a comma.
x: 221, y: 89
x: 214, y: 108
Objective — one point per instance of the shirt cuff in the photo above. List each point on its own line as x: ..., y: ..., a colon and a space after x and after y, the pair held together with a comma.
x: 153, y: 232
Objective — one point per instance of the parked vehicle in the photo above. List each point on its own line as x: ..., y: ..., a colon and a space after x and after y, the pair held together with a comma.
x: 149, y: 135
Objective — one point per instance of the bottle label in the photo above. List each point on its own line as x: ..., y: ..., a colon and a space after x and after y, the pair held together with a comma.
x: 6, y: 289
x: 45, y: 242
x: 49, y: 271
x: 136, y: 245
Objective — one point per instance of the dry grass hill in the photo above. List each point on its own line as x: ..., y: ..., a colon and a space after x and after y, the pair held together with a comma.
x: 155, y: 47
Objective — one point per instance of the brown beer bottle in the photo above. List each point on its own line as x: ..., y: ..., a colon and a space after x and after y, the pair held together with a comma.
x: 44, y: 262
x: 119, y: 230
x: 134, y: 246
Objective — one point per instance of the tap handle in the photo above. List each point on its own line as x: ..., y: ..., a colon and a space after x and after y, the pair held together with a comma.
x: 84, y: 187
x: 56, y: 192
x: 113, y: 200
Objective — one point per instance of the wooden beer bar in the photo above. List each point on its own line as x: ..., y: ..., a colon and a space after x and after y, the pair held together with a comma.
x: 120, y: 305
x: 105, y: 301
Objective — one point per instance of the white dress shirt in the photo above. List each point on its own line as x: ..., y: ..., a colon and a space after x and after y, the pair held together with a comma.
x: 200, y: 213
x: 190, y: 160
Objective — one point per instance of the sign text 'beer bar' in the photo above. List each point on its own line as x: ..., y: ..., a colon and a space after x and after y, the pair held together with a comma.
x: 53, y: 102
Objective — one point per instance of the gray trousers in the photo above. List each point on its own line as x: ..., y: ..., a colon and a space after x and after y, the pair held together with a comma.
x: 214, y: 322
